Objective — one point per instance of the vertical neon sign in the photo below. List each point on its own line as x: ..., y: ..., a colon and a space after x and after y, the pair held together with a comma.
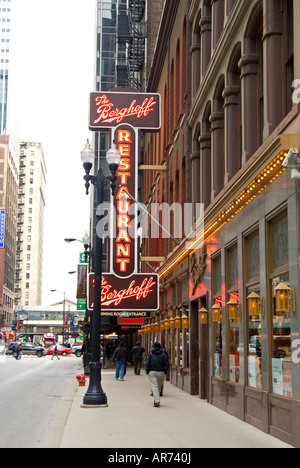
x: 126, y: 114
x: 124, y: 246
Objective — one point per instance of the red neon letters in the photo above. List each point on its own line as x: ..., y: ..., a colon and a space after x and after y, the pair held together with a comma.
x: 124, y: 244
x: 107, y: 113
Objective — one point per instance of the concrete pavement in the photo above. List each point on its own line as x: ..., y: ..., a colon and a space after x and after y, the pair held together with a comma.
x: 130, y: 421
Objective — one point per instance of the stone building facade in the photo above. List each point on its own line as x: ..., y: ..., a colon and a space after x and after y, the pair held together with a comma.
x: 226, y: 72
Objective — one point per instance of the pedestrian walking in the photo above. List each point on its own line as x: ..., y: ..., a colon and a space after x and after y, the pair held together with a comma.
x: 157, y: 366
x: 18, y: 350
x: 120, y: 358
x: 55, y: 353
x: 137, y: 355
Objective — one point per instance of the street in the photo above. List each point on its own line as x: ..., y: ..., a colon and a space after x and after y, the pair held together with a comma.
x: 30, y: 393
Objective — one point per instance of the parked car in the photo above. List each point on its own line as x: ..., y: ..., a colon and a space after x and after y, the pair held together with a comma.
x: 61, y: 350
x: 77, y: 350
x: 28, y: 349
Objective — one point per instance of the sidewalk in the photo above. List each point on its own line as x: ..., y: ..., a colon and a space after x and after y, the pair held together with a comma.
x: 130, y: 421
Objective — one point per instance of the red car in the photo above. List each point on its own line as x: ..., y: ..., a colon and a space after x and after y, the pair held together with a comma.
x: 61, y: 350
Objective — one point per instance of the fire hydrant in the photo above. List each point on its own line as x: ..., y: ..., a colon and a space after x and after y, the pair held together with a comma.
x: 81, y: 380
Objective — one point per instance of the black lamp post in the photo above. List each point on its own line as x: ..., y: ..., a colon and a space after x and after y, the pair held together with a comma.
x: 95, y: 395
x: 87, y: 342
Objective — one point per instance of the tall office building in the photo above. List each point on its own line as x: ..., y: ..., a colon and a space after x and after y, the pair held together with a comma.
x: 30, y: 230
x: 5, y: 17
x: 9, y: 175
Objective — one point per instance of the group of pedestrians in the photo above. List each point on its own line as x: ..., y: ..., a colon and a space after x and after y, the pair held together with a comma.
x: 156, y: 366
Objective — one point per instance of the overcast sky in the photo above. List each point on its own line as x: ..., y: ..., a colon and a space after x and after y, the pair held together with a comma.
x: 52, y: 74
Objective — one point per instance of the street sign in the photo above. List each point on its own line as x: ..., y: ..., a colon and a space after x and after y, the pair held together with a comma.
x: 81, y: 304
x: 83, y: 258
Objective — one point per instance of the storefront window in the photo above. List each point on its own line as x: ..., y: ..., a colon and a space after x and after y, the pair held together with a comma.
x: 234, y: 350
x: 233, y: 315
x: 254, y: 339
x: 281, y: 310
x: 217, y: 319
x: 218, y: 340
x: 282, y: 355
x: 254, y: 310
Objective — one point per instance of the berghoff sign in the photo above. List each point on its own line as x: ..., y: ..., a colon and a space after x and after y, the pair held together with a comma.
x: 140, y: 110
x: 126, y: 115
x: 139, y: 292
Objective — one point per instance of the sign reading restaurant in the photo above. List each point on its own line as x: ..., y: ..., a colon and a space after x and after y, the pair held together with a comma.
x: 126, y: 114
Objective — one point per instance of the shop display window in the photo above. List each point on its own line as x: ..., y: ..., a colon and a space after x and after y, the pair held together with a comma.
x: 254, y: 309
x: 217, y: 319
x: 281, y: 307
x: 234, y: 345
x: 282, y: 344
x: 218, y: 340
x: 233, y: 315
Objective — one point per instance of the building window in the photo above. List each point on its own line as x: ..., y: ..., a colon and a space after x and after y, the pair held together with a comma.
x: 281, y: 320
x: 253, y: 310
x: 233, y: 321
x: 218, y: 325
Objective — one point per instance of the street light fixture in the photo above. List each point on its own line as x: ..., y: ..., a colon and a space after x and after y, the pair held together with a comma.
x: 95, y: 395
x: 85, y: 241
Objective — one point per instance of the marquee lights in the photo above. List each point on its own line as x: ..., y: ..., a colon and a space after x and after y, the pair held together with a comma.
x: 267, y: 176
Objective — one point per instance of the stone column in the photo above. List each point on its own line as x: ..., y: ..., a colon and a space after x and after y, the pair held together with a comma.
x: 205, y: 29
x: 232, y: 131
x: 273, y: 60
x: 205, y: 181
x: 217, y: 131
x: 217, y: 20
x: 249, y: 69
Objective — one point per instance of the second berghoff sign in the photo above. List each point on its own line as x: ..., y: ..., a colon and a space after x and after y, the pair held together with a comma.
x: 140, y: 110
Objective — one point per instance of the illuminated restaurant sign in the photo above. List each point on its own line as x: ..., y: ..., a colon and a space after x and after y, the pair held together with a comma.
x: 139, y: 292
x: 108, y: 110
x: 124, y: 247
x: 126, y: 114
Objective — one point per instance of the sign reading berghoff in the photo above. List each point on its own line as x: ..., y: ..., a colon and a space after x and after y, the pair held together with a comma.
x: 126, y: 115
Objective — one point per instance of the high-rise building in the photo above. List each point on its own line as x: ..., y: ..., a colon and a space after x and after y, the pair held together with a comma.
x: 9, y: 174
x: 30, y: 230
x: 5, y: 17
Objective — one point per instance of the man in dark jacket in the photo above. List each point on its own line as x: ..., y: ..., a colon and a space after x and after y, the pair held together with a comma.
x: 137, y: 355
x: 120, y: 358
x: 157, y: 366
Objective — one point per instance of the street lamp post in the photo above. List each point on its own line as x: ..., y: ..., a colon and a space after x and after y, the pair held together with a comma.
x: 64, y: 311
x: 95, y: 395
x: 87, y: 325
